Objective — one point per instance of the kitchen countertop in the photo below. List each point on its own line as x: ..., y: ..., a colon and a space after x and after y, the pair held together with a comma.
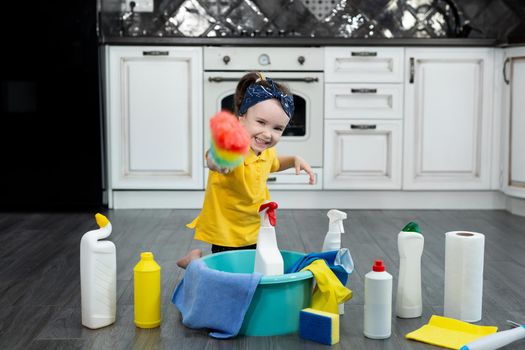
x: 301, y: 41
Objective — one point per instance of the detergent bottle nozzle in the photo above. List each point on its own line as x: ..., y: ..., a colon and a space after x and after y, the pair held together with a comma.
x: 267, y: 213
x: 336, y: 221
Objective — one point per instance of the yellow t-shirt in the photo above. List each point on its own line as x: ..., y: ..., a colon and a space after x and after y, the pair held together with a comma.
x: 230, y: 213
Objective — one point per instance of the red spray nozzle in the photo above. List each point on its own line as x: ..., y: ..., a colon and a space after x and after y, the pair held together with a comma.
x: 270, y: 211
x: 378, y: 266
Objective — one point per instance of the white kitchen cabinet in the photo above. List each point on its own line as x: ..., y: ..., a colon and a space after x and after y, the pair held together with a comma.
x: 154, y: 117
x: 363, y: 118
x: 448, y: 115
x: 514, y: 122
x: 360, y: 154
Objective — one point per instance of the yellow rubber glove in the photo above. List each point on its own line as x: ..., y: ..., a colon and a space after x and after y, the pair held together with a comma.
x: 329, y: 291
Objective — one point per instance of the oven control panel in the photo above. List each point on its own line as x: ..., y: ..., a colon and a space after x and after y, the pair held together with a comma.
x: 223, y: 58
x: 264, y: 59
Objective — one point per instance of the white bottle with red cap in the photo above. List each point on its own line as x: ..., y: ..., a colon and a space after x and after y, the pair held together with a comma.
x: 378, y: 302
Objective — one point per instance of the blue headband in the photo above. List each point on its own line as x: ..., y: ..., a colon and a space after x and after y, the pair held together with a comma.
x: 256, y: 93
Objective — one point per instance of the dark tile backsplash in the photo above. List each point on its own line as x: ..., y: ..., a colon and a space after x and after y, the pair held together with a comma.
x: 500, y: 19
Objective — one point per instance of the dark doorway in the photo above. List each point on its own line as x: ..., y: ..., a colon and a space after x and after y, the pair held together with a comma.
x: 50, y: 125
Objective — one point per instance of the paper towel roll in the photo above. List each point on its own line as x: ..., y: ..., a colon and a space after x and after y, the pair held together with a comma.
x: 464, y: 275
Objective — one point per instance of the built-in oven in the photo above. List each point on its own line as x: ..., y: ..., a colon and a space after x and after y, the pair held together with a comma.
x: 300, y: 69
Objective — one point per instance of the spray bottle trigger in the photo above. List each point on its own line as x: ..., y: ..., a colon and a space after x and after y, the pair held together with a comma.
x: 270, y: 212
x: 336, y: 220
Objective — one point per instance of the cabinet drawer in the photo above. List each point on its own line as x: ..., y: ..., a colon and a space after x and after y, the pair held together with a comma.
x: 358, y: 101
x: 288, y: 180
x: 364, y: 64
x: 362, y: 154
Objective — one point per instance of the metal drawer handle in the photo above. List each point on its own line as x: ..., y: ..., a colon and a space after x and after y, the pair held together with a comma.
x: 303, y: 80
x: 364, y: 53
x: 155, y: 53
x: 507, y: 81
x: 363, y: 126
x: 364, y: 91
x: 272, y: 179
x: 221, y: 79
x: 412, y: 70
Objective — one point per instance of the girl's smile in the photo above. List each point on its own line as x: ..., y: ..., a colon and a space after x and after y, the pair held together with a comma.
x: 265, y: 123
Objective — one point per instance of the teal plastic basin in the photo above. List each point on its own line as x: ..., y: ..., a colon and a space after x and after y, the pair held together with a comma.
x: 277, y: 301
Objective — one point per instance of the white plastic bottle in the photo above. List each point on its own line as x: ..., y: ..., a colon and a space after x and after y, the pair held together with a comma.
x: 268, y: 258
x: 332, y: 240
x: 410, y: 244
x: 378, y: 302
x: 98, y: 276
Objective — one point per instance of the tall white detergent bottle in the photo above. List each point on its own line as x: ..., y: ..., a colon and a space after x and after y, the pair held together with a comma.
x: 410, y: 244
x: 268, y: 258
x: 332, y: 240
x: 98, y: 276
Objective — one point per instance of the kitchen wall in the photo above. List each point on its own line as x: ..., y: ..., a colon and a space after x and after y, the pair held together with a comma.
x: 500, y: 19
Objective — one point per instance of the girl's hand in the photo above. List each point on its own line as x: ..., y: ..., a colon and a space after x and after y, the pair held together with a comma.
x: 301, y: 164
x: 213, y: 167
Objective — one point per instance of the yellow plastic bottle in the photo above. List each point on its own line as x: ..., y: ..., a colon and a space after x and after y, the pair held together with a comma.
x: 146, y: 280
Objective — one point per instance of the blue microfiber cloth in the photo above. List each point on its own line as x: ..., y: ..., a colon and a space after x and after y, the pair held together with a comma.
x: 339, y: 261
x: 213, y: 299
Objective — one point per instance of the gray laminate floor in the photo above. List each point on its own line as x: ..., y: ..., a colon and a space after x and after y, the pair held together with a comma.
x: 40, y: 288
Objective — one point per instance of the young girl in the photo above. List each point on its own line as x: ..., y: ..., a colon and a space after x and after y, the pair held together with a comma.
x: 229, y: 218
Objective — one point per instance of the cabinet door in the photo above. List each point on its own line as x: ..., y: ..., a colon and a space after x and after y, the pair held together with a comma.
x: 514, y: 122
x: 448, y: 103
x: 155, y: 118
x: 362, y: 154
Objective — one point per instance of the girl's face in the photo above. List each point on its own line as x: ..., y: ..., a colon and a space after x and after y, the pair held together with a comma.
x: 265, y: 123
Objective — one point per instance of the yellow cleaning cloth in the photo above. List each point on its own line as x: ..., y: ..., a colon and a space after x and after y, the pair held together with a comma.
x: 329, y: 291
x: 449, y: 333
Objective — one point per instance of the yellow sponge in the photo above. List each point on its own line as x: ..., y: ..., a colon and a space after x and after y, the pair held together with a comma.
x: 319, y: 326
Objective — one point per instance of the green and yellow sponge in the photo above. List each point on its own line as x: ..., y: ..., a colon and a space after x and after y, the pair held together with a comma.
x: 319, y: 326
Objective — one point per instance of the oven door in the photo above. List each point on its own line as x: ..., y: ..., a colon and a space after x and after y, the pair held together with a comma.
x: 303, y: 137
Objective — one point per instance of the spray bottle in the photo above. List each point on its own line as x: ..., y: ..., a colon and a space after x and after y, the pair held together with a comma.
x: 410, y: 245
x: 268, y: 259
x: 98, y: 276
x: 332, y: 240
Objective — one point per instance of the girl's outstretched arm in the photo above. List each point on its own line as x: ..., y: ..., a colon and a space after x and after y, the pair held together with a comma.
x: 287, y: 162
